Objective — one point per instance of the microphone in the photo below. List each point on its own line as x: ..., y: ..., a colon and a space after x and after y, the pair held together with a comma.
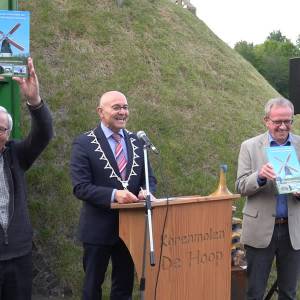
x: 142, y: 136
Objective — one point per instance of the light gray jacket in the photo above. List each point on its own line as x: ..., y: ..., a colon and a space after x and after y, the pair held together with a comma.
x: 260, y: 206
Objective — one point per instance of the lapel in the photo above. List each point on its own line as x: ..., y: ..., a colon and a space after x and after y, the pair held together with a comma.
x: 106, y: 149
x: 106, y: 155
x: 263, y: 143
x: 296, y: 144
x: 109, y: 153
x: 129, y: 152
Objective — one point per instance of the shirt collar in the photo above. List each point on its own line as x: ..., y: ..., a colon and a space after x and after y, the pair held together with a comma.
x: 286, y: 143
x: 108, y: 132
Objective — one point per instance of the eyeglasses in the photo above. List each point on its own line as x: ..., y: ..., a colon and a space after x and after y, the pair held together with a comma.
x: 119, y: 107
x: 3, y: 130
x: 280, y: 122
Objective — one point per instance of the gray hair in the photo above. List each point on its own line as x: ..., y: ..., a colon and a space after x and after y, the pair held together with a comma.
x: 278, y: 102
x: 9, y: 118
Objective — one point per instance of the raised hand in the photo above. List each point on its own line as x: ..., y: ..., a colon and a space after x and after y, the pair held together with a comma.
x: 29, y: 87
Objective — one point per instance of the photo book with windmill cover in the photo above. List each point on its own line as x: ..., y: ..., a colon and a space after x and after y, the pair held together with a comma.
x: 14, y: 42
x: 287, y: 168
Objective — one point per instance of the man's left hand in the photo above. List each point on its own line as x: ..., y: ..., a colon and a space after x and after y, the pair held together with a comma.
x: 143, y: 194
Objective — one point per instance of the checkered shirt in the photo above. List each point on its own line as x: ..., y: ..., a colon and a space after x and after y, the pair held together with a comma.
x: 4, y: 195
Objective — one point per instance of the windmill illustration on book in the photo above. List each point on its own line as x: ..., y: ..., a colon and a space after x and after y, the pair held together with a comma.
x: 288, y: 170
x: 7, y: 41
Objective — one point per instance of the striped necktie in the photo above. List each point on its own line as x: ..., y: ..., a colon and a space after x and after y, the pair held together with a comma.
x: 120, y: 155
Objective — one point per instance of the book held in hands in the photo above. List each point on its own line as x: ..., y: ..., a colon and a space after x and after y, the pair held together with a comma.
x: 287, y: 168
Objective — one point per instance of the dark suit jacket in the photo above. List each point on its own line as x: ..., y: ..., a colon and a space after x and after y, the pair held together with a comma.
x: 95, y: 174
x: 18, y: 157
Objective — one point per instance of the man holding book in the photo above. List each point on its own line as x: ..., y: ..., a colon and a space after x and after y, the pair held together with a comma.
x: 270, y: 220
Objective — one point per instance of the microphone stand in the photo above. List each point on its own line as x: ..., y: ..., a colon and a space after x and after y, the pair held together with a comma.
x: 148, y: 224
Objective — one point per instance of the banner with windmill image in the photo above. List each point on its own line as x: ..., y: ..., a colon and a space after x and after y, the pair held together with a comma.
x: 286, y: 166
x: 14, y: 42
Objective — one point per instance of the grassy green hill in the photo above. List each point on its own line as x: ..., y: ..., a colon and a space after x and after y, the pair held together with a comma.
x: 194, y: 96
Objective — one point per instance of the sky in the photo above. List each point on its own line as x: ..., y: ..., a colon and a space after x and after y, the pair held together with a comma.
x: 250, y: 20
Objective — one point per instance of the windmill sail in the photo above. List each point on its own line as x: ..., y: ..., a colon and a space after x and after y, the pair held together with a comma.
x: 285, y: 163
x: 14, y: 42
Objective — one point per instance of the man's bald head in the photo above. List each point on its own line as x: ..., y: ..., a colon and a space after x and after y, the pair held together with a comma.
x: 113, y: 110
x: 108, y: 97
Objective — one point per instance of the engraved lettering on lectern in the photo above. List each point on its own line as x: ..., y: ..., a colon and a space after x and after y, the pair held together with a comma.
x: 198, y: 257
x: 191, y: 258
x: 192, y: 238
x: 168, y: 263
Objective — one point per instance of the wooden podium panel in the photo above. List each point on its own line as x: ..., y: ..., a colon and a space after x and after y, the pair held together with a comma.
x: 192, y: 250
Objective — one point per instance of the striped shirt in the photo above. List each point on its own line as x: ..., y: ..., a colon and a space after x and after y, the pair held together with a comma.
x: 4, y: 195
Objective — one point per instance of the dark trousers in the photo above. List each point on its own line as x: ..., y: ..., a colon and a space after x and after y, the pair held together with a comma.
x: 95, y: 262
x: 16, y: 278
x: 259, y: 261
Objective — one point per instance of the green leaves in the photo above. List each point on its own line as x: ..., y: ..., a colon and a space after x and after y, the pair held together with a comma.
x: 271, y: 58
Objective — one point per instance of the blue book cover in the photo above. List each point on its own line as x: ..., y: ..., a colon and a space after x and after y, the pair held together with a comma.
x: 286, y: 166
x: 14, y: 42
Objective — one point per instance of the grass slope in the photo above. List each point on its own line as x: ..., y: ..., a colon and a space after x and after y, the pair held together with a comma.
x: 194, y: 96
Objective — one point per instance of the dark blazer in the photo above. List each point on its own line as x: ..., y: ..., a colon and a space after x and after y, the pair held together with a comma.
x: 95, y: 175
x: 18, y: 157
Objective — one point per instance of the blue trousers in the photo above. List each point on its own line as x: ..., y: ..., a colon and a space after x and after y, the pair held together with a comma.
x: 95, y: 262
x: 16, y: 278
x: 259, y: 263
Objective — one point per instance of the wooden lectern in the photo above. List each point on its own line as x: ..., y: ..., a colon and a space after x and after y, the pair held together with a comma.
x: 192, y: 247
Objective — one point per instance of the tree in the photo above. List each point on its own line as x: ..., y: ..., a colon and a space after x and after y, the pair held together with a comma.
x: 246, y: 50
x: 276, y: 35
x: 298, y: 42
x: 271, y: 58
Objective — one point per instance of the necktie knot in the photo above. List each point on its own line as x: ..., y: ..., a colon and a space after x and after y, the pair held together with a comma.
x: 116, y: 137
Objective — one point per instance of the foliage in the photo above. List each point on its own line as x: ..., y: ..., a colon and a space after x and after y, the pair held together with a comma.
x: 194, y: 96
x: 276, y: 35
x: 246, y: 50
x: 298, y: 42
x: 271, y: 59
